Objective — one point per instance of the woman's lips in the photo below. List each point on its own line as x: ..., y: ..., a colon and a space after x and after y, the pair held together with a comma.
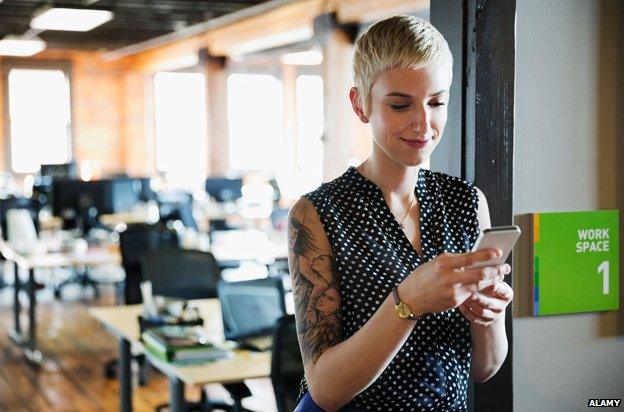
x: 417, y: 144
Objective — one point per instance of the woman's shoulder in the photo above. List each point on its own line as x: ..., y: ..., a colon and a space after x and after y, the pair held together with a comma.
x: 448, y: 182
x: 452, y: 187
x: 329, y: 190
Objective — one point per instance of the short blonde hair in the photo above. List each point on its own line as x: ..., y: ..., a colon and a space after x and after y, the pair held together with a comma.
x: 397, y: 42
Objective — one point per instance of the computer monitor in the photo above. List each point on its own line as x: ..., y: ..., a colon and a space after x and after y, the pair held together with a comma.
x: 224, y: 189
x: 60, y: 171
x: 124, y: 193
x: 250, y: 308
x: 67, y: 194
x: 74, y: 198
x: 177, y: 206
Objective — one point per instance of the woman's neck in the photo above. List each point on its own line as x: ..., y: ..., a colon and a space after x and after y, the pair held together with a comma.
x: 396, y: 181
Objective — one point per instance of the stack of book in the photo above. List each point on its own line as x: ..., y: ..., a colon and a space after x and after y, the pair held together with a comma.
x: 183, y: 344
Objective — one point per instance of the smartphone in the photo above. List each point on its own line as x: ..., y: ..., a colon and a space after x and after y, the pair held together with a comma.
x: 502, y: 237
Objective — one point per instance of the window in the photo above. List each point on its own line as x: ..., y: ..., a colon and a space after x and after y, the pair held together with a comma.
x: 310, y: 128
x: 305, y: 172
x: 180, y: 118
x: 39, y: 118
x: 255, y: 121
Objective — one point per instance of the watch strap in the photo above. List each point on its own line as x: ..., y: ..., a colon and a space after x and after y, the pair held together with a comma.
x: 401, y: 306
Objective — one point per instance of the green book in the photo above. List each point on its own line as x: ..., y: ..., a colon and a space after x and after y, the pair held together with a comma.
x: 183, y: 344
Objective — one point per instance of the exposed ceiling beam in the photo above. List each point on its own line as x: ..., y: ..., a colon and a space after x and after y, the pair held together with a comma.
x: 196, y: 29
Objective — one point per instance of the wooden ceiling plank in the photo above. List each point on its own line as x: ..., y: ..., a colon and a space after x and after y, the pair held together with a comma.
x: 351, y: 11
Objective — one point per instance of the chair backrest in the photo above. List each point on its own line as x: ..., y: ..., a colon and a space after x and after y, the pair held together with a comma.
x: 134, y: 242
x: 182, y: 273
x: 18, y: 203
x: 250, y: 308
x: 21, y: 233
x: 286, y: 364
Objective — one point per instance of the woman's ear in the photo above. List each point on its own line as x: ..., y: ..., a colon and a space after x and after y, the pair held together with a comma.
x: 354, y: 96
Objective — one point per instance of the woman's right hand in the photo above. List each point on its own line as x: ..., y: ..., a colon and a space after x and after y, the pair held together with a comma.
x: 446, y: 282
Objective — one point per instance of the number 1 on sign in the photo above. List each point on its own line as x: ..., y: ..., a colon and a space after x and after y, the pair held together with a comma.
x: 604, y: 268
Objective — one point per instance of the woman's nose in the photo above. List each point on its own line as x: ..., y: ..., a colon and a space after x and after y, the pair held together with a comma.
x: 420, y: 122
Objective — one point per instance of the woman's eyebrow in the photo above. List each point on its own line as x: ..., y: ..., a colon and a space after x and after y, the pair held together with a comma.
x: 438, y: 92
x: 407, y: 96
x: 398, y: 94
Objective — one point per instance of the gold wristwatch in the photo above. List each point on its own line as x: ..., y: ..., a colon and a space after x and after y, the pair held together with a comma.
x: 401, y: 308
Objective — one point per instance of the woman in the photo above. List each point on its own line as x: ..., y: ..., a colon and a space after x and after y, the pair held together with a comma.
x: 410, y: 320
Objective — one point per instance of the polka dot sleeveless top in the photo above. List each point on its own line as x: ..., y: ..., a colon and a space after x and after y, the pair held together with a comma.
x: 430, y: 372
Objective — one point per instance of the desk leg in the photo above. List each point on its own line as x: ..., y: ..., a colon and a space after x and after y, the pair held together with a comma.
x: 124, y: 375
x: 16, y: 302
x: 32, y: 353
x: 176, y: 394
x: 16, y: 333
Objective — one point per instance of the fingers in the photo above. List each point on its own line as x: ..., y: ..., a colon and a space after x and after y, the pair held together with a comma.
x: 503, y: 290
x: 484, y: 306
x: 484, y: 276
x: 461, y: 260
x: 471, y: 316
x: 482, y: 309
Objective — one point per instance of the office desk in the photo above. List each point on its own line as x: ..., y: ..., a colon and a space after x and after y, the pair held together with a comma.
x: 93, y: 257
x: 122, y: 322
x: 140, y: 216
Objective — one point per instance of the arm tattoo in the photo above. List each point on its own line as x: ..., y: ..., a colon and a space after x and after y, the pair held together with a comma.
x: 315, y: 288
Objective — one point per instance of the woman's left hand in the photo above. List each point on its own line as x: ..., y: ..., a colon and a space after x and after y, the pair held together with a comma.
x: 487, y: 305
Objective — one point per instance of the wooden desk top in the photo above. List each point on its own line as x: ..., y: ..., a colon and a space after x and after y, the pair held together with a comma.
x: 122, y: 322
x: 93, y: 257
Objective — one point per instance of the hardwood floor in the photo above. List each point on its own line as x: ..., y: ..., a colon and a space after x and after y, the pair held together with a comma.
x: 76, y: 348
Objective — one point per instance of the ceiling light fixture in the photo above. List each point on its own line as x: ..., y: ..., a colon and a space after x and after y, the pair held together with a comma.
x: 16, y: 46
x: 66, y: 19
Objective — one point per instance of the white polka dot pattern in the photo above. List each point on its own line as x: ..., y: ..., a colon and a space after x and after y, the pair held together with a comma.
x: 430, y: 372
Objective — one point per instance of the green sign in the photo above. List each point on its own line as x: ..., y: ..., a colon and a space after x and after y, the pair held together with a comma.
x: 576, y: 262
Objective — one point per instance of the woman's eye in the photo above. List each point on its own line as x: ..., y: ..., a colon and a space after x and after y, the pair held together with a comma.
x: 436, y: 104
x: 399, y: 106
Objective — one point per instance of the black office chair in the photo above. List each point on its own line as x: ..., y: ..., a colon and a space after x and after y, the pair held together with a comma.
x: 134, y: 242
x: 182, y: 273
x: 190, y: 274
x: 286, y: 364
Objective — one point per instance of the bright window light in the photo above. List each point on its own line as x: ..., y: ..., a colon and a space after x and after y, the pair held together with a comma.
x: 58, y: 18
x: 256, y: 121
x: 39, y: 116
x: 310, y: 128
x: 181, y: 146
x: 306, y: 58
x: 13, y: 46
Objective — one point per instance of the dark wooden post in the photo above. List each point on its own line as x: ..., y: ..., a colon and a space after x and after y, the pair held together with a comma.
x: 478, y: 142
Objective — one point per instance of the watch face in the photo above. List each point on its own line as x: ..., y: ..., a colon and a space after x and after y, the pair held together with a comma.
x: 403, y: 310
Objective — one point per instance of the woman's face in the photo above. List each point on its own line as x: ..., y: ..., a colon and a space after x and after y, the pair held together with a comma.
x: 408, y: 110
x: 322, y: 265
x: 329, y: 301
